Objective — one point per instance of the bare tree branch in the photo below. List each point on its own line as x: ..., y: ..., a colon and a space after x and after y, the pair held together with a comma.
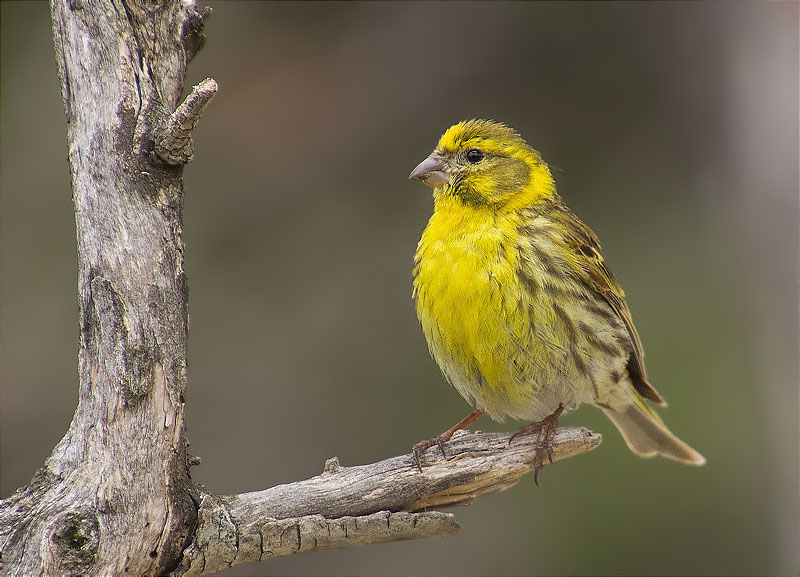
x: 173, y: 142
x: 226, y: 544
x: 367, y: 503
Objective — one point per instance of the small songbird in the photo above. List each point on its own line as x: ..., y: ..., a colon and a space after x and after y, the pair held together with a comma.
x: 517, y: 304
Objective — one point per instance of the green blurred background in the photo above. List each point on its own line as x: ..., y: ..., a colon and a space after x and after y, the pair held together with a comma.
x: 672, y: 131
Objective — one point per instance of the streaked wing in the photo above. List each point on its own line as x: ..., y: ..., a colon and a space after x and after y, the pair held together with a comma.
x: 592, y: 268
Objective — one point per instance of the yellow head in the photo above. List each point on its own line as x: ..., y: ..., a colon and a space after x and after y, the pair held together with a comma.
x: 485, y: 163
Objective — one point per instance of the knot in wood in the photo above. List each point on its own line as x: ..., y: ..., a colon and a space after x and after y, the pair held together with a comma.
x: 331, y: 466
x: 75, y: 540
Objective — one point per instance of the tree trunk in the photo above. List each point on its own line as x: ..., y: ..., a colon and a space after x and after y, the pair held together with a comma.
x: 115, y: 496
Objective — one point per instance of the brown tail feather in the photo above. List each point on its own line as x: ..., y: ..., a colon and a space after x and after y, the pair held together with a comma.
x: 647, y: 435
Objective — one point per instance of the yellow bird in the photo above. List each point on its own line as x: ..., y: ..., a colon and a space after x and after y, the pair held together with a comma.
x: 516, y: 302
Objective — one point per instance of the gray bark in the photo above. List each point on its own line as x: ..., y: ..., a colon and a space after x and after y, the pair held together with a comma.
x: 338, y: 507
x: 115, y: 496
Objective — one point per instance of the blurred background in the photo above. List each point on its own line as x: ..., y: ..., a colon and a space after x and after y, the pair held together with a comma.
x: 672, y: 131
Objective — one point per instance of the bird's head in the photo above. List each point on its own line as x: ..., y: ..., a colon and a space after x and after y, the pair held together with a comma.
x: 485, y: 163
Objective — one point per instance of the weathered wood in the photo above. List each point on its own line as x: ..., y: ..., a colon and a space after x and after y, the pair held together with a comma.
x: 173, y: 142
x: 300, y: 516
x: 227, y: 543
x: 115, y: 497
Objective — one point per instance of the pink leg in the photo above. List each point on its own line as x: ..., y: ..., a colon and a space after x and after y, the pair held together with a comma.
x: 420, y: 447
x: 547, y: 432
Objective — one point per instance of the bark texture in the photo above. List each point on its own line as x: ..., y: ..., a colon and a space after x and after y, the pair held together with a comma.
x: 372, y: 503
x: 115, y: 496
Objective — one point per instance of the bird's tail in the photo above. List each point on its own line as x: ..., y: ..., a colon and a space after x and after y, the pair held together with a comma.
x: 647, y: 435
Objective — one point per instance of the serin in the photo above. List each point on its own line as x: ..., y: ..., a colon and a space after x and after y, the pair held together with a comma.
x: 517, y: 304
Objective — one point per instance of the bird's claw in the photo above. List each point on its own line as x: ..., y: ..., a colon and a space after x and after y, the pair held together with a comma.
x: 544, y: 441
x: 422, y: 446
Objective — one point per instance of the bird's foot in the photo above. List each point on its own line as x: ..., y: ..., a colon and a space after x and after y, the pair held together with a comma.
x: 422, y: 446
x: 544, y: 442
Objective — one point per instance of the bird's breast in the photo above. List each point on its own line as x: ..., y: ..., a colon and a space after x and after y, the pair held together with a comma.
x: 468, y: 295
x: 492, y: 308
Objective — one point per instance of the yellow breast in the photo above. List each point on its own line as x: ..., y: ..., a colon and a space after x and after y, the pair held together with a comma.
x: 470, y: 304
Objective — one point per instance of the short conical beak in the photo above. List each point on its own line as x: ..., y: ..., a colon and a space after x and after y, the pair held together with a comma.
x: 431, y: 172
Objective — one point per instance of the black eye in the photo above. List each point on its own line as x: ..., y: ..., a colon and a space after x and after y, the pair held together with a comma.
x: 474, y: 155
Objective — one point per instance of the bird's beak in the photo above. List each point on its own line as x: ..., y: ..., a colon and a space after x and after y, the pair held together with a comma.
x: 431, y: 171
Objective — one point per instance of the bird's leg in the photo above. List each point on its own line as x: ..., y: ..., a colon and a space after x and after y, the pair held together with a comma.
x: 420, y: 447
x: 547, y: 432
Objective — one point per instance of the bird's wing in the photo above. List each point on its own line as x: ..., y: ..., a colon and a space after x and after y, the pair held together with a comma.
x: 593, y: 271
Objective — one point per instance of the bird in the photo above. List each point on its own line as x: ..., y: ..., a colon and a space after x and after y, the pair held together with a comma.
x: 518, y: 306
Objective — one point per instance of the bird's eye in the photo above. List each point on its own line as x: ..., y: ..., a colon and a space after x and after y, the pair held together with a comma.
x: 474, y: 155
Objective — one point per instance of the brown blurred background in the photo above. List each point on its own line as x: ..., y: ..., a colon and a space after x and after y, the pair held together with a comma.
x: 672, y: 131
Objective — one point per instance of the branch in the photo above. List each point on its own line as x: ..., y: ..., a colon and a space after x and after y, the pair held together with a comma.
x: 173, y: 142
x: 372, y: 503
